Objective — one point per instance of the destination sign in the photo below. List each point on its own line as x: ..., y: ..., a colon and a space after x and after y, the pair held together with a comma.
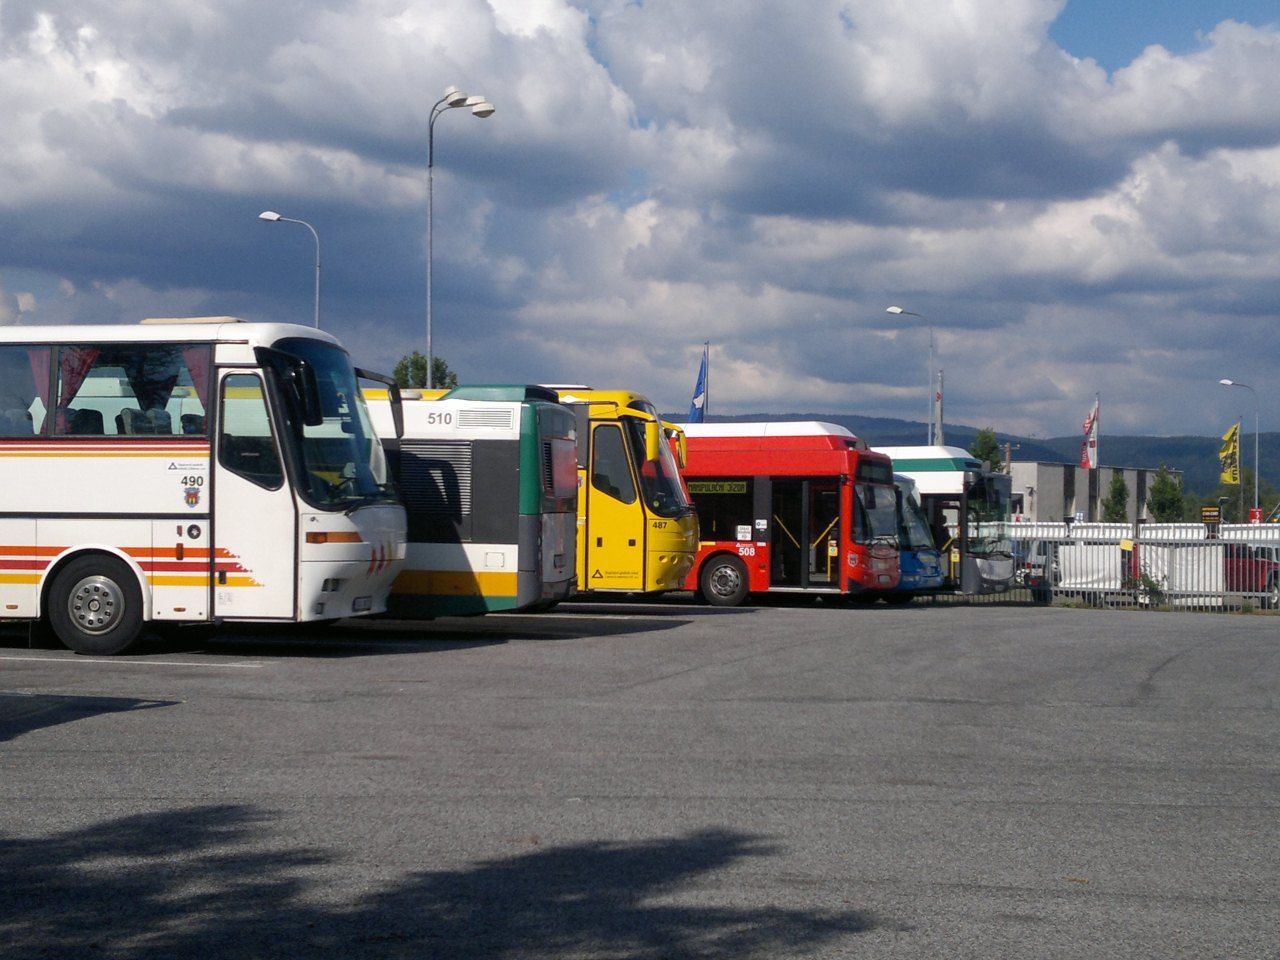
x: 717, y: 486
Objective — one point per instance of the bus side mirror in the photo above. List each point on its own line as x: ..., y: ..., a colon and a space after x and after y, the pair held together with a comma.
x: 652, y: 439
x: 306, y: 391
x: 393, y: 395
x: 671, y: 432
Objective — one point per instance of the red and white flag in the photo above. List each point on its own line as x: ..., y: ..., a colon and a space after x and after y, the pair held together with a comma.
x: 1089, y: 446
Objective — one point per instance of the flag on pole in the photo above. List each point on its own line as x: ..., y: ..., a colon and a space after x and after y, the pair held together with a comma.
x: 698, y: 408
x: 1089, y: 446
x: 1229, y: 455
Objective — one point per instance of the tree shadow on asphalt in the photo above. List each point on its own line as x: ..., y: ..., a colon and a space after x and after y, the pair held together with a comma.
x: 212, y: 882
x: 23, y: 712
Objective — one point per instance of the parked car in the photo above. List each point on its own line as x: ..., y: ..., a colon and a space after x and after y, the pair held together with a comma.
x: 1036, y: 568
x: 1253, y: 568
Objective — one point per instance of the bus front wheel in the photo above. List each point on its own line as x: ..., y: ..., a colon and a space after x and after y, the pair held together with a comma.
x: 95, y: 606
x: 724, y: 581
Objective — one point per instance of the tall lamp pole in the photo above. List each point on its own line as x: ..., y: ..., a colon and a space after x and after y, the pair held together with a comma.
x: 933, y: 388
x: 272, y: 217
x: 1256, y: 417
x: 480, y: 107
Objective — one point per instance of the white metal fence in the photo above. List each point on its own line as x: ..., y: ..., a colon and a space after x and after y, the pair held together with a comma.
x: 1178, y: 566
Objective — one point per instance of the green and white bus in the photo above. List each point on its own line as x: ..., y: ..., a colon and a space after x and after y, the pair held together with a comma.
x: 968, y: 509
x: 488, y: 477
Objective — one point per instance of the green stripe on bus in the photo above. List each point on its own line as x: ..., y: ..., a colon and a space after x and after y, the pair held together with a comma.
x: 940, y: 465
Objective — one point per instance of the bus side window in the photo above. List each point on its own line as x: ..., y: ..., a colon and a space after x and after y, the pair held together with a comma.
x: 245, y: 445
x: 24, y: 389
x: 610, y: 466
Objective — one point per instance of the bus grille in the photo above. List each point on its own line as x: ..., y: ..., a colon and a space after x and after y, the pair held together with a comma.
x: 548, y: 476
x: 435, y: 478
x: 492, y: 419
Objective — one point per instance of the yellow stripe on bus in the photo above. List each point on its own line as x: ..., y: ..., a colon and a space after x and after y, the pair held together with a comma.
x: 19, y: 578
x: 455, y: 583
x: 177, y: 580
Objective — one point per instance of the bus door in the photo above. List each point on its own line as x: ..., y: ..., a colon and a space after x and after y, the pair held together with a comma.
x: 614, y: 544
x: 806, y: 533
x: 942, y: 510
x: 824, y: 532
x: 789, y: 534
x: 254, y: 526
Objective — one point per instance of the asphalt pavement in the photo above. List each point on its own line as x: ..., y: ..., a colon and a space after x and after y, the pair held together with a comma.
x: 652, y: 781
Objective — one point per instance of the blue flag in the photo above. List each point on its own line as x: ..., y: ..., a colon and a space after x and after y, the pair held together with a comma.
x: 697, y: 409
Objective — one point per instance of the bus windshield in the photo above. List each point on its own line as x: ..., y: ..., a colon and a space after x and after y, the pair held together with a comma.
x: 659, y: 479
x: 340, y: 461
x: 914, y: 529
x: 988, y: 507
x: 878, y: 514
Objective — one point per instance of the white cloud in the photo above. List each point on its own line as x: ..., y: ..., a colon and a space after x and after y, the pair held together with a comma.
x: 769, y: 175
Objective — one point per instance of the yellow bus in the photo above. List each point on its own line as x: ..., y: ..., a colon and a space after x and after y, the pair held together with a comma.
x: 637, y: 532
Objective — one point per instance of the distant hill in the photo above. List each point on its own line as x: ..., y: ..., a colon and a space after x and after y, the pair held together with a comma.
x: 1196, y: 457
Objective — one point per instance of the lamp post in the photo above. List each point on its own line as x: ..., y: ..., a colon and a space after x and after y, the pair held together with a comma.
x: 932, y: 386
x: 480, y: 107
x: 1256, y: 417
x: 272, y: 217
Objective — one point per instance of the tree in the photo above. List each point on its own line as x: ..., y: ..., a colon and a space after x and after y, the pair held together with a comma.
x: 1233, y: 510
x: 1115, y: 506
x: 411, y: 371
x: 1164, y: 502
x: 986, y: 448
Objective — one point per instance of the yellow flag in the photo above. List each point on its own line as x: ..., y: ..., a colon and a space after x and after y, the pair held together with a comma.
x: 1229, y: 455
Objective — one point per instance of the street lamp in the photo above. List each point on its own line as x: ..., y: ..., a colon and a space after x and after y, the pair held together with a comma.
x: 272, y: 217
x: 1256, y: 417
x: 480, y: 107
x: 932, y: 387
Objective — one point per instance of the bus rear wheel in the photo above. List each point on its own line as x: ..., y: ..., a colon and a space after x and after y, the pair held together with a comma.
x: 95, y: 606
x: 724, y: 581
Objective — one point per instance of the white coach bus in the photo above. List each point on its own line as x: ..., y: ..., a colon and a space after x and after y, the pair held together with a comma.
x: 188, y: 471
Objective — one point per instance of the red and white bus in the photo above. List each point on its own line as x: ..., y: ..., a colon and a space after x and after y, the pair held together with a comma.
x: 789, y: 508
x: 188, y: 472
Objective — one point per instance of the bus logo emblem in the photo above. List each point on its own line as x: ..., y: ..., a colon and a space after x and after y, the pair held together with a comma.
x: 192, y: 496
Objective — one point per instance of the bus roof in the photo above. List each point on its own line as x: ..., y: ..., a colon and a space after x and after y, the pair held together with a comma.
x: 500, y: 392
x: 620, y: 400
x: 927, y: 459
x: 200, y: 330
x: 768, y: 428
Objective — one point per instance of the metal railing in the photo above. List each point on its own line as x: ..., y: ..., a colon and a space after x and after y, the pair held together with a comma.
x: 1176, y: 566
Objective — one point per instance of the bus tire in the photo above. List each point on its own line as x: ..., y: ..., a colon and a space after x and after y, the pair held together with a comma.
x: 723, y: 581
x: 95, y: 605
x: 1272, y: 600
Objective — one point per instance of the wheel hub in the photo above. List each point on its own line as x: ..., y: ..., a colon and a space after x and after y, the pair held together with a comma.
x: 725, y: 580
x: 95, y: 604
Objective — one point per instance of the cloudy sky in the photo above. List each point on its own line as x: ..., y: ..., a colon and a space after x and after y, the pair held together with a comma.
x: 1079, y: 196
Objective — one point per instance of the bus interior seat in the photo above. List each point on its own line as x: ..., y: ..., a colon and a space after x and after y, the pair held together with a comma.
x: 16, y: 422
x: 192, y: 423
x: 131, y: 421
x: 85, y: 422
